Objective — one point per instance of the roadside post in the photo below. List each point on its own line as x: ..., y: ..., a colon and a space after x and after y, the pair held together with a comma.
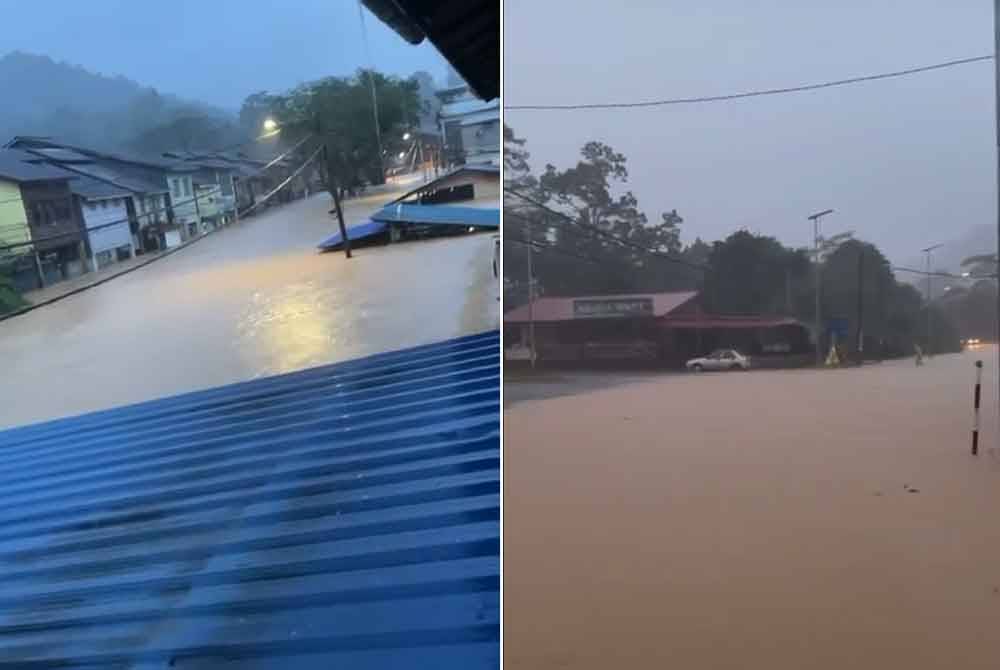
x: 975, y: 411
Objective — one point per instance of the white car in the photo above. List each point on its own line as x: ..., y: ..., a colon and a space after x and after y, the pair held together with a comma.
x: 720, y: 359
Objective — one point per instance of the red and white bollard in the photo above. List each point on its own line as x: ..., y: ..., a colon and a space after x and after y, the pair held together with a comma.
x: 975, y: 404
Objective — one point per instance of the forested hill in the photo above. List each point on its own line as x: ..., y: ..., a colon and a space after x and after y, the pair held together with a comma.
x: 43, y: 97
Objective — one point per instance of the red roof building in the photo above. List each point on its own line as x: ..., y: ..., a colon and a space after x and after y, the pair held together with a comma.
x: 660, y: 328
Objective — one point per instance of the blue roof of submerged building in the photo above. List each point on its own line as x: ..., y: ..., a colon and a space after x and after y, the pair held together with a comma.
x: 360, y: 232
x: 439, y: 215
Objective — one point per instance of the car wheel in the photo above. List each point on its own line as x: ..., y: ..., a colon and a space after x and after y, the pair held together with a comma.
x: 697, y: 367
x: 735, y: 366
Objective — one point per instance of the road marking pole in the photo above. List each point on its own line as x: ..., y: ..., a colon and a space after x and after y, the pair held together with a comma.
x: 975, y: 419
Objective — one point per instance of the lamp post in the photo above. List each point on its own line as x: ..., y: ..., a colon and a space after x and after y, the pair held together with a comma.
x: 817, y: 316
x: 927, y: 254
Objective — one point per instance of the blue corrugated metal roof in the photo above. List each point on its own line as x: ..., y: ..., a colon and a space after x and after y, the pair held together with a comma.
x: 342, y: 516
x: 439, y: 215
x: 359, y: 233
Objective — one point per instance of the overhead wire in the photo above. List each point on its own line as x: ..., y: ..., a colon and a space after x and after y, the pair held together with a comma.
x: 600, y: 232
x: 549, y: 247
x: 753, y: 93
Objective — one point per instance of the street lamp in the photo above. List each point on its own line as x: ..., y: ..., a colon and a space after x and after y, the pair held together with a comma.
x: 270, y: 125
x: 818, y: 322
x: 927, y: 252
x: 406, y: 136
x: 402, y: 155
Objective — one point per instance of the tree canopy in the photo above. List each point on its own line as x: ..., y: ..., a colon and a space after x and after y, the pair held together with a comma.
x: 340, y: 108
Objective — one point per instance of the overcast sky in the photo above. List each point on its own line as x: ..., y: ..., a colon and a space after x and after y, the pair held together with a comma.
x: 217, y: 51
x: 906, y: 162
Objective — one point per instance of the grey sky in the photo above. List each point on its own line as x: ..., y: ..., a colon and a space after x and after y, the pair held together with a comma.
x: 905, y: 162
x: 217, y: 51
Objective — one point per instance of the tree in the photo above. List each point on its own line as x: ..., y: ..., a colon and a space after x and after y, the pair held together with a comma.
x: 516, y: 171
x: 189, y: 132
x: 841, y: 283
x: 601, y: 220
x: 146, y: 109
x: 983, y: 265
x: 754, y: 274
x: 972, y: 310
x: 257, y: 108
x: 340, y: 109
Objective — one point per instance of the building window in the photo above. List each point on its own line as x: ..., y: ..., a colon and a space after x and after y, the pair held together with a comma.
x: 175, y: 187
x: 187, y: 187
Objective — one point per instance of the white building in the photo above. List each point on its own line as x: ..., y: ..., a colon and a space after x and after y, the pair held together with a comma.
x: 104, y: 211
x: 470, y: 128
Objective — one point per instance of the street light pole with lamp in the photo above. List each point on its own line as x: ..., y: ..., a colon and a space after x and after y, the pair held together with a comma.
x: 272, y: 127
x: 816, y: 260
x: 927, y: 253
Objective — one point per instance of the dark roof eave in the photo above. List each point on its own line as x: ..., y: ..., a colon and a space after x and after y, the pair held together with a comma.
x: 466, y: 33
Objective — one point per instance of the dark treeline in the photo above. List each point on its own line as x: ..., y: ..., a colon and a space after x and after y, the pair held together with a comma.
x: 590, y: 237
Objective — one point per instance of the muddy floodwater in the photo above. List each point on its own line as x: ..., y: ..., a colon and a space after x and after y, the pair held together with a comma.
x: 252, y: 300
x: 781, y: 520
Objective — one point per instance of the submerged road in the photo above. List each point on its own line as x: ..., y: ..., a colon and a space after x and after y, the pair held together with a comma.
x: 822, y: 519
x: 252, y: 300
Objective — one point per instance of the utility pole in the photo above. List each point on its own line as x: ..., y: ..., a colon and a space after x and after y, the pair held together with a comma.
x: 861, y: 305
x: 334, y: 187
x: 371, y: 84
x: 788, y: 291
x: 818, y: 324
x: 531, y: 293
x: 927, y: 254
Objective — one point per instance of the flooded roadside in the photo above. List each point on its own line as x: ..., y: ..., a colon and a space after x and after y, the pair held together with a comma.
x: 253, y: 300
x: 818, y: 519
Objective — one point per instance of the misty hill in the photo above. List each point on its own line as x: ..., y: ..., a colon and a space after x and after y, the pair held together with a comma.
x: 43, y: 97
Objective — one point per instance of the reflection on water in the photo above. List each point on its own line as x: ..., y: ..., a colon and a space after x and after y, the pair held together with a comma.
x: 290, y: 328
x: 253, y: 300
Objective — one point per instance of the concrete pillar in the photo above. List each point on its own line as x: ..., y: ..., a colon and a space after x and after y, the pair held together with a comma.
x: 38, y: 269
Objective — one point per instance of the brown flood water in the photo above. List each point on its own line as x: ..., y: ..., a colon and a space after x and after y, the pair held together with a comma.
x: 252, y: 300
x: 755, y: 520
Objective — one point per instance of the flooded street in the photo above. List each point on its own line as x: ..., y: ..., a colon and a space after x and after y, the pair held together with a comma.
x: 252, y: 300
x: 776, y: 519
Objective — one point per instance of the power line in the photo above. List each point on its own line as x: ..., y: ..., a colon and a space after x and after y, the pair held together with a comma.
x: 549, y: 247
x: 371, y: 84
x: 947, y: 275
x: 756, y: 93
x: 285, y: 182
x: 537, y: 244
x: 600, y: 232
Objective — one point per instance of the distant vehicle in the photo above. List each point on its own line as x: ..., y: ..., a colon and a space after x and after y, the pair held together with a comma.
x: 720, y: 359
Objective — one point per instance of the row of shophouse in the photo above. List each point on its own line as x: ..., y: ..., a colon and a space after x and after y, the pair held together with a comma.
x: 66, y: 210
